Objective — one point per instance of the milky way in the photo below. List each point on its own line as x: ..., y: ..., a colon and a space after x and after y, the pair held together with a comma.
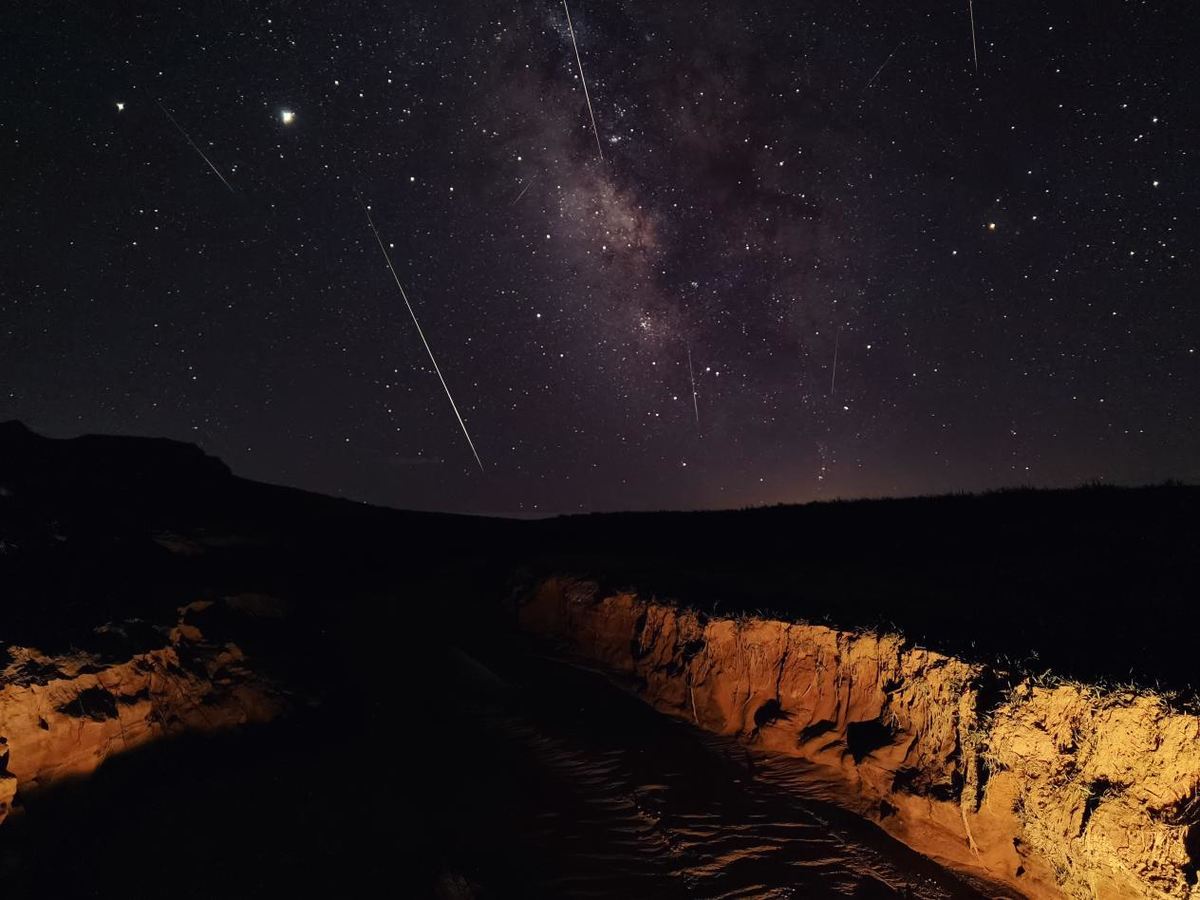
x: 1003, y: 261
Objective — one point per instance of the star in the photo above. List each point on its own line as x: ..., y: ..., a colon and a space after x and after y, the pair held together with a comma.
x: 683, y: 232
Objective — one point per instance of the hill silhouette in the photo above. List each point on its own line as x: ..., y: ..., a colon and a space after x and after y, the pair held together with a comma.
x: 383, y: 609
x: 1096, y: 582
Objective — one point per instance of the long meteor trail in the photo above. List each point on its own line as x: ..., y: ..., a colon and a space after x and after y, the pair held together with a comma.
x: 586, y: 95
x: 974, y: 47
x: 396, y: 278
x: 187, y: 137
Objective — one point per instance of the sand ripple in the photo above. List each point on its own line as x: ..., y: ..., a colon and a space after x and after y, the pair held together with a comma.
x: 609, y: 799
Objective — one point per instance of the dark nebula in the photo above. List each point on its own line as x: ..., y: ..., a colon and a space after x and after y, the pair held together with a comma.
x: 1003, y: 263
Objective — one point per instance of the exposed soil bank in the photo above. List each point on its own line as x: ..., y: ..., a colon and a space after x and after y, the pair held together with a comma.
x: 1055, y: 791
x: 62, y: 716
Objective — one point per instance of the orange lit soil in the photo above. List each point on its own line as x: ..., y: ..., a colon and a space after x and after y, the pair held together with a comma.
x: 1046, y: 791
x: 62, y: 716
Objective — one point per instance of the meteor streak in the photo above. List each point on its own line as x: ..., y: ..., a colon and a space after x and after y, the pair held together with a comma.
x: 522, y: 194
x: 974, y: 48
x: 586, y: 96
x: 880, y: 69
x: 833, y: 382
x: 692, y: 376
x: 195, y: 147
x: 396, y: 278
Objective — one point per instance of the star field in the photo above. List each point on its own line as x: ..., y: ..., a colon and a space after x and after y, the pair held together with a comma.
x: 820, y: 256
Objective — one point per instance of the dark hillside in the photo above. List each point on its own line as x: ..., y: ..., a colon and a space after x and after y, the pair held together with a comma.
x: 1098, y: 582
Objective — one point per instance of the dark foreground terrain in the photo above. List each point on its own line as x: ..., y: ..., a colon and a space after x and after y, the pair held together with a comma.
x: 426, y: 744
x: 534, y: 779
x: 1097, y: 582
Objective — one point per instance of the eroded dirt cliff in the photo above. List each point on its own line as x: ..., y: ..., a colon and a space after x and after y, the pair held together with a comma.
x: 1047, y: 790
x: 61, y: 716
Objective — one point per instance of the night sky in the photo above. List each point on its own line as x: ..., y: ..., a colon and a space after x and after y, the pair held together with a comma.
x: 1003, y: 263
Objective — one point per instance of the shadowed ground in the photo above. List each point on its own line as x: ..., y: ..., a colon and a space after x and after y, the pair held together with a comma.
x: 394, y: 620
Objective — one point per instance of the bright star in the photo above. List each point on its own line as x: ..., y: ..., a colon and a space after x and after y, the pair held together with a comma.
x: 287, y: 117
x: 120, y: 106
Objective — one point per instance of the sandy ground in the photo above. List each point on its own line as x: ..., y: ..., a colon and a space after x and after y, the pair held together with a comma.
x: 587, y: 793
x: 529, y: 778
